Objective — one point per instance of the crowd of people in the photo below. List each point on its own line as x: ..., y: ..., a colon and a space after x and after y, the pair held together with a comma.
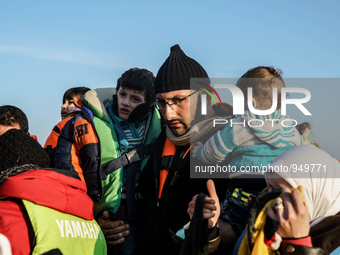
x: 114, y: 175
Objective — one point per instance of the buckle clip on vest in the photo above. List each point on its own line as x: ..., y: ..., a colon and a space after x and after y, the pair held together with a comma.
x: 127, y: 158
x: 167, y: 162
x: 133, y: 156
x: 139, y: 153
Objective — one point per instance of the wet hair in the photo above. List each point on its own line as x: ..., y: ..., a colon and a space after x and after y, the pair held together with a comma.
x: 138, y: 79
x: 9, y: 115
x: 74, y: 92
x: 263, y: 79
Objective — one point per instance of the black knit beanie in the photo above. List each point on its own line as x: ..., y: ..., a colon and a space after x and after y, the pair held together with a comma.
x: 18, y: 148
x: 176, y: 71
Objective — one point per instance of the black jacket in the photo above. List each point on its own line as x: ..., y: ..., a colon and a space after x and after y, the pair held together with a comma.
x: 170, y: 212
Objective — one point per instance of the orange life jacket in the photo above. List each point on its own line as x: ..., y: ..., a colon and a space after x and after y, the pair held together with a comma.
x: 168, y: 150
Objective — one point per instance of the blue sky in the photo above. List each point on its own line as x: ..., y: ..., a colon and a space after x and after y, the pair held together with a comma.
x: 47, y: 47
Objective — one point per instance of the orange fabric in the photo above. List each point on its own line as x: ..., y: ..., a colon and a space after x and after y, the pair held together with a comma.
x: 188, y: 150
x: 168, y: 150
x: 34, y: 137
x: 83, y: 135
x: 83, y: 131
x: 76, y: 162
x: 52, y: 139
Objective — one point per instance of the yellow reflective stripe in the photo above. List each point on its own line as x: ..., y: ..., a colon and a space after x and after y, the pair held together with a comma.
x: 243, y: 192
x: 244, y: 199
x: 235, y: 194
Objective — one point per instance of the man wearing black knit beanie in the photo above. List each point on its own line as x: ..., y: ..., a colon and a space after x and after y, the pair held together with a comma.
x: 168, y: 197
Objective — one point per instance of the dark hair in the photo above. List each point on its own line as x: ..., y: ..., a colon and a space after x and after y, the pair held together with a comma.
x: 306, y: 127
x: 302, y: 127
x: 264, y: 78
x: 72, y: 92
x: 138, y: 79
x: 9, y: 115
x: 263, y: 72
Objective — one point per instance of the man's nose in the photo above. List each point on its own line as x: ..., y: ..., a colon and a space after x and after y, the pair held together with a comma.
x: 63, y: 106
x: 169, y: 113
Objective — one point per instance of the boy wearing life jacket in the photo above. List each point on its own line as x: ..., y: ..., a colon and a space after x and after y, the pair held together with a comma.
x: 108, y: 146
x: 68, y: 107
x: 68, y: 110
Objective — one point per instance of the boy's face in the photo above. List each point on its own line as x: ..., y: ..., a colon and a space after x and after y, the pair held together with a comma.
x: 68, y: 107
x: 128, y: 100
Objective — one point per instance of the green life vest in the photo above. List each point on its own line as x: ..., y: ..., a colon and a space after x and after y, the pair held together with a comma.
x: 97, y: 100
x: 68, y: 233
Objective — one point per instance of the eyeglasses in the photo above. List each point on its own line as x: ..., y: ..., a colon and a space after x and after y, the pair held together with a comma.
x: 161, y: 104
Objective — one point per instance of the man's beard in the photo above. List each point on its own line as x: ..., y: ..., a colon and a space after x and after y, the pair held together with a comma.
x: 194, y: 117
x: 180, y: 130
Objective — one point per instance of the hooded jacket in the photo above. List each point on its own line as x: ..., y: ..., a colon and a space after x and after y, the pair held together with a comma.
x: 50, y: 189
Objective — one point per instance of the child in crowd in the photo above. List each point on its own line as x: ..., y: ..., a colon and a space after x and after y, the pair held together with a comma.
x: 68, y: 110
x: 107, y: 144
x: 252, y: 145
x: 11, y: 117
